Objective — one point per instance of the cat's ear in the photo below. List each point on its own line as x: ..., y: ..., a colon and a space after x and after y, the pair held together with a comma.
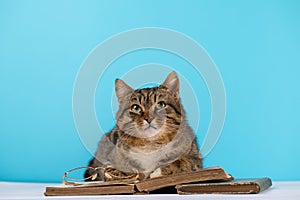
x: 122, y: 90
x: 172, y: 82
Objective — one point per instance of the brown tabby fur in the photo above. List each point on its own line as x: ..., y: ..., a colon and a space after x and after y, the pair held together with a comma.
x: 153, y: 140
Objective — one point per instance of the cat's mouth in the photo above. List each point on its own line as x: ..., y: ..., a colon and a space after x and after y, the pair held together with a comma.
x: 150, y: 127
x: 150, y: 131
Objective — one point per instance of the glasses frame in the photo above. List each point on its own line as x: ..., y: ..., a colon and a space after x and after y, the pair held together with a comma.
x: 107, y: 171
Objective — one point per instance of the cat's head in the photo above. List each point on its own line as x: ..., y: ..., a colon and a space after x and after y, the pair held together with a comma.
x: 145, y: 113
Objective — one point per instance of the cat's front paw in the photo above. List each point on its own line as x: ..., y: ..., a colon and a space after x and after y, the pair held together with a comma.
x: 156, y: 173
x: 111, y: 174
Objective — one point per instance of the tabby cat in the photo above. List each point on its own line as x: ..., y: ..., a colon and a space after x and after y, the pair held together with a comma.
x: 151, y: 137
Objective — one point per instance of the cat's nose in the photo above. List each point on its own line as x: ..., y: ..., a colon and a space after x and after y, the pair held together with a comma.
x: 148, y: 119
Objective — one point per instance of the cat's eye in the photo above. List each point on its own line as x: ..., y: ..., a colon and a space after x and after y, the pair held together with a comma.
x: 160, y: 105
x: 136, y: 108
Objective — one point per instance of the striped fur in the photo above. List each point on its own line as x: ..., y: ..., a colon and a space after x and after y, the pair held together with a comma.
x: 151, y: 136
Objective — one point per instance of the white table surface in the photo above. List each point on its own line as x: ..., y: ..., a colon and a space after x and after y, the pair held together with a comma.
x: 279, y: 190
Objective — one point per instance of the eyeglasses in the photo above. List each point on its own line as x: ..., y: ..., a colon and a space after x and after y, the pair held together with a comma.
x: 110, y: 175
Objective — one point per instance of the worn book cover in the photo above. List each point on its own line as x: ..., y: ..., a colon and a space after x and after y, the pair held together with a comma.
x: 90, y: 188
x: 206, y: 174
x: 237, y: 186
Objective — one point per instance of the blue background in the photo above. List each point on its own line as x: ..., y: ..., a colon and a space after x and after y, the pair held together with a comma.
x: 255, y: 44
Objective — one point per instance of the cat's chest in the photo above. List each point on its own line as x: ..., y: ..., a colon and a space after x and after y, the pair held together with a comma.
x: 145, y: 161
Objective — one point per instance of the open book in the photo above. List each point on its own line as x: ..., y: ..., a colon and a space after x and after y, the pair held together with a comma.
x: 144, y: 186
